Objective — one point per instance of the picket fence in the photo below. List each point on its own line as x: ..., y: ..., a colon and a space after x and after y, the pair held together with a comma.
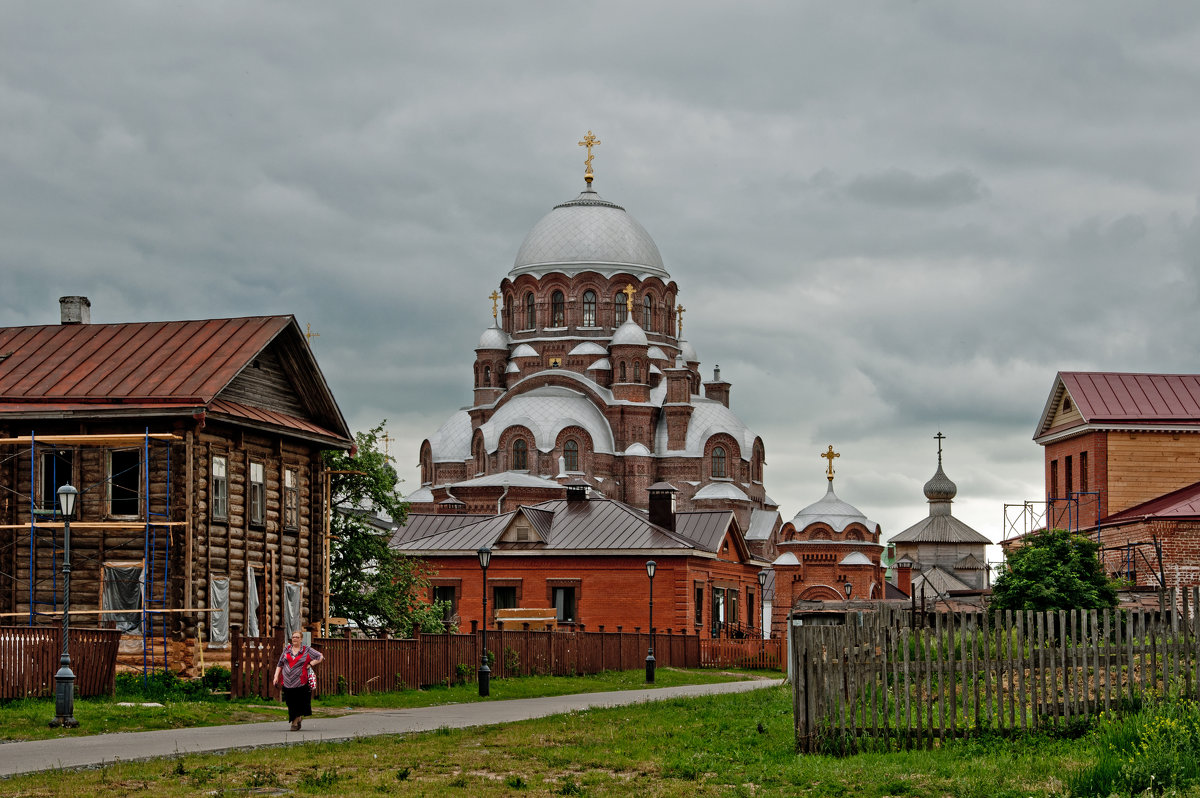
x: 29, y: 658
x: 876, y: 678
x: 355, y: 666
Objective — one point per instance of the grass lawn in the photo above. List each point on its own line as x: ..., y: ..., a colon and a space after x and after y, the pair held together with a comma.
x: 714, y: 746
x: 28, y: 719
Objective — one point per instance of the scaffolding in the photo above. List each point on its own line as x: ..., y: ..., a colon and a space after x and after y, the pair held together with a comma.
x: 42, y: 533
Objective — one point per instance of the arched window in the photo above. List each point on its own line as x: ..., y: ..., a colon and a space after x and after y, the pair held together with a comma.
x: 622, y: 371
x: 647, y: 313
x: 589, y: 308
x: 718, y: 461
x: 487, y: 376
x: 520, y: 455
x: 508, y: 313
x: 530, y: 315
x: 637, y: 371
x: 479, y: 459
x: 619, y: 308
x: 558, y: 310
x: 670, y: 305
x: 571, y: 455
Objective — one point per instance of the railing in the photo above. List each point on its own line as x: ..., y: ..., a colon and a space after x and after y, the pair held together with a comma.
x: 29, y: 658
x: 761, y: 654
x: 1018, y: 671
x: 362, y: 666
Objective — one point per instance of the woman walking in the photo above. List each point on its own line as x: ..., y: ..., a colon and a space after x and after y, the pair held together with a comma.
x: 293, y: 671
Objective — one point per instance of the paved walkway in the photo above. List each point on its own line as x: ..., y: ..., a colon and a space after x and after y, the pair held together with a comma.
x: 100, y: 749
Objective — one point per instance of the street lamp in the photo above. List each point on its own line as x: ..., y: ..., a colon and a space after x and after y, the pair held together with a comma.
x: 64, y: 680
x: 762, y: 598
x: 485, y: 673
x: 849, y: 590
x: 650, y: 569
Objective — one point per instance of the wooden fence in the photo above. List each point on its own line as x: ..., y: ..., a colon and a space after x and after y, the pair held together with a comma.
x: 722, y: 653
x: 874, y: 678
x: 29, y: 658
x: 361, y: 666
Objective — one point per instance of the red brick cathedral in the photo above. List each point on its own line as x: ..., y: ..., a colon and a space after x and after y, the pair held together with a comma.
x: 585, y: 375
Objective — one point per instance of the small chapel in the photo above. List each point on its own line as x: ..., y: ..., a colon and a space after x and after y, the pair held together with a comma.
x: 585, y: 375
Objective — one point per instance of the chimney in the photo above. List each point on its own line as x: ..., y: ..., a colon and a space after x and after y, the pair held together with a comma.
x: 662, y: 505
x: 75, y: 310
x: 577, y: 490
x: 904, y: 576
x: 718, y: 389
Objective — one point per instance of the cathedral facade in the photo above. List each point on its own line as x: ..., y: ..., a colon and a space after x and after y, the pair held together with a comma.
x: 585, y: 375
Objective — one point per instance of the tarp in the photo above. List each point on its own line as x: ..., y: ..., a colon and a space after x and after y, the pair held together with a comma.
x: 123, y: 591
x: 251, y: 602
x: 292, y: 593
x: 218, y: 622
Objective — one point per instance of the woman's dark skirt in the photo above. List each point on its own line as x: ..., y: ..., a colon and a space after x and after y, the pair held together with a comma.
x: 298, y: 700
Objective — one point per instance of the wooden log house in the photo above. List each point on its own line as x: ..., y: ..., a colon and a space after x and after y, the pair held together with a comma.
x: 196, y: 448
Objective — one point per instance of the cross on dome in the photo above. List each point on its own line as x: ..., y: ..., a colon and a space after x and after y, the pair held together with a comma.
x: 589, y: 141
x: 829, y: 455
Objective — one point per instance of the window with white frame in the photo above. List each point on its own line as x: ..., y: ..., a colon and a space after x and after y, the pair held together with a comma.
x: 258, y: 494
x: 220, y: 488
x: 291, y: 498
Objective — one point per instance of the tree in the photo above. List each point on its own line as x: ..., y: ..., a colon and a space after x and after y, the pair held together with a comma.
x: 1054, y: 570
x: 378, y: 589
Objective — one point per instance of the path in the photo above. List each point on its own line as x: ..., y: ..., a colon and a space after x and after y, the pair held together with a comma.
x: 100, y: 749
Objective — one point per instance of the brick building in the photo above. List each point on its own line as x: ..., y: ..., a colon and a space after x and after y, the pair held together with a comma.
x: 583, y: 560
x: 1122, y: 462
x: 585, y: 375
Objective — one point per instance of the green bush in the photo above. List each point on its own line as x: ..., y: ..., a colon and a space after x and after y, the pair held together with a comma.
x: 167, y: 685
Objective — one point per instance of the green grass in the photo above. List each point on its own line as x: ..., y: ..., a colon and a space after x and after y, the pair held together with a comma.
x: 738, y: 744
x: 27, y: 719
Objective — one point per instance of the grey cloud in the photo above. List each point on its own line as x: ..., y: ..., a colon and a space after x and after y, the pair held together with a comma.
x: 902, y: 189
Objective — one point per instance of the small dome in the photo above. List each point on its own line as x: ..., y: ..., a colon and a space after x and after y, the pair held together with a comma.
x: 603, y: 364
x: 856, y: 558
x: 588, y: 348
x: 832, y: 511
x: 630, y: 334
x: 656, y: 353
x: 588, y: 233
x: 524, y: 350
x: 721, y: 490
x: 940, y: 488
x: 688, y: 351
x: 493, y: 338
x: 637, y: 450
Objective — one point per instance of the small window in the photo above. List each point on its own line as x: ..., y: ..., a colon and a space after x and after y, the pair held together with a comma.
x: 718, y: 607
x: 1083, y: 472
x: 124, y: 481
x: 564, y: 604
x: 589, y: 308
x: 1066, y: 403
x: 637, y: 371
x: 446, y: 593
x: 258, y: 494
x: 622, y: 371
x: 487, y: 376
x: 731, y: 608
x: 505, y: 597
x: 620, y: 308
x: 647, y: 313
x: 1070, y: 476
x: 1053, y: 479
x: 558, y: 310
x: 699, y: 606
x: 718, y: 462
x: 520, y: 455
x: 220, y: 489
x: 530, y: 312
x: 571, y: 455
x: 56, y: 472
x: 508, y: 313
x: 750, y: 619
x: 291, y: 498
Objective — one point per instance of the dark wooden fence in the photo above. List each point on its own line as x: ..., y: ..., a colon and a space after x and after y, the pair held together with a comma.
x: 722, y: 653
x: 29, y: 658
x: 875, y: 678
x: 362, y: 666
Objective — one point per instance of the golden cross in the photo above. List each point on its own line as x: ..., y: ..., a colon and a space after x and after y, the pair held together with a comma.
x: 589, y: 141
x: 679, y: 311
x: 309, y: 334
x: 829, y: 455
x: 494, y: 297
x: 628, y: 292
x: 387, y: 440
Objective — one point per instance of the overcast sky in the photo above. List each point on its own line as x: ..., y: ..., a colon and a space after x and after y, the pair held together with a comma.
x: 885, y: 219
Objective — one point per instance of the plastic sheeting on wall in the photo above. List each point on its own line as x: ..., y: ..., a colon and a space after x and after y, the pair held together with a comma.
x: 123, y: 591
x: 251, y: 602
x: 292, y: 593
x: 218, y: 600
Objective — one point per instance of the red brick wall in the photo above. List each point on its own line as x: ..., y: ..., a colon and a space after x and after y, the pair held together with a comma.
x: 1180, y: 542
x: 1090, y: 508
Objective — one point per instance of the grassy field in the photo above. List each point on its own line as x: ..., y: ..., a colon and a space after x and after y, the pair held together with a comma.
x: 715, y: 746
x: 28, y: 719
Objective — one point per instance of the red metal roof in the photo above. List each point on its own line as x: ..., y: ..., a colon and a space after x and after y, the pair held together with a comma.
x: 270, y: 418
x: 1181, y: 503
x: 1111, y: 396
x: 188, y: 361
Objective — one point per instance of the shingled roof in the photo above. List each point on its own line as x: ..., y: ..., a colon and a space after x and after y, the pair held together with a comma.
x: 163, y: 368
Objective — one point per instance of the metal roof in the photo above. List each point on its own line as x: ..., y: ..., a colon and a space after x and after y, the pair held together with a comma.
x: 1181, y: 503
x: 1118, y: 397
x: 168, y: 366
x: 939, y: 529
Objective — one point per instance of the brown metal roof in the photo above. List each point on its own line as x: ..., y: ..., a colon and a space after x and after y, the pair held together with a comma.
x: 1178, y: 504
x: 1127, y: 398
x: 172, y: 360
x: 421, y: 525
x: 269, y: 418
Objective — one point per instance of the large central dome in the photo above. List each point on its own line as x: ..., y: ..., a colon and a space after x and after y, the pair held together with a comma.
x: 589, y: 234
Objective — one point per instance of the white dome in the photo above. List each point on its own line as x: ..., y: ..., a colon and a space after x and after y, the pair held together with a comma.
x: 721, y: 490
x: 655, y: 353
x: 603, y: 364
x: 493, y: 338
x: 545, y: 412
x: 708, y: 418
x: 588, y: 233
x: 688, y: 351
x: 588, y: 348
x: 452, y: 441
x: 832, y: 511
x: 524, y: 350
x: 629, y: 334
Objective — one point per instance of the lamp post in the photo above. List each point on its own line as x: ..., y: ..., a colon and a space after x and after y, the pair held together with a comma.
x: 849, y: 590
x: 650, y: 569
x: 762, y: 600
x: 485, y: 672
x: 64, y: 680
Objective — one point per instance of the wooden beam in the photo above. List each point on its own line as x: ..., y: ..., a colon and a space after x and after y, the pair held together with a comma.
x: 93, y: 524
x: 93, y: 440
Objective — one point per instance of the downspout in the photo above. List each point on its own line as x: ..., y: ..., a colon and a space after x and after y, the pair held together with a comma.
x: 500, y: 501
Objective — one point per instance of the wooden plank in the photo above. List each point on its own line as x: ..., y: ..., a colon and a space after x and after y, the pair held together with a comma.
x: 940, y: 665
x: 1065, y: 643
x: 1010, y: 670
x: 1129, y: 671
x: 1105, y: 643
x: 988, y: 659
x: 1022, y: 616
